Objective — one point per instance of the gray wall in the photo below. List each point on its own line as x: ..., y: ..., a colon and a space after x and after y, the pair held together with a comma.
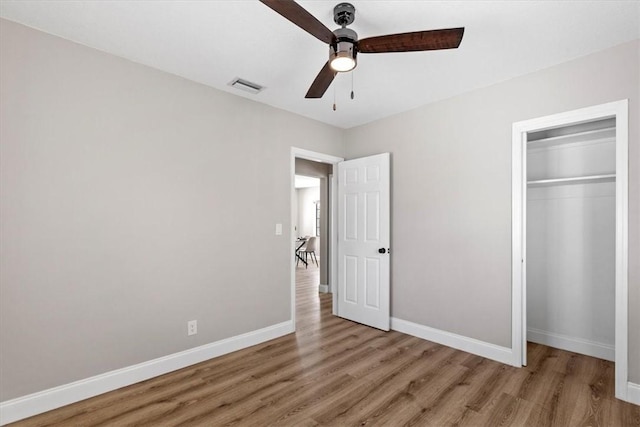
x: 120, y: 218
x: 451, y: 186
x: 314, y: 169
x: 120, y: 215
x: 307, y: 210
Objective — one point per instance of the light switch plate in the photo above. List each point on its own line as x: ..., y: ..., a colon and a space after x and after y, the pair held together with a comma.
x: 278, y: 229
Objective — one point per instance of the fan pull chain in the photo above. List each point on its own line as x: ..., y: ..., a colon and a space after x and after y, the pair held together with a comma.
x: 334, y: 97
x: 352, y: 84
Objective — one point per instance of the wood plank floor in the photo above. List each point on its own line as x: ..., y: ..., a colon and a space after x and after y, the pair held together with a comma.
x: 333, y: 372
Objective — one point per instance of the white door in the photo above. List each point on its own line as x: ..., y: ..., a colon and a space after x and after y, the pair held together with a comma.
x: 363, y: 240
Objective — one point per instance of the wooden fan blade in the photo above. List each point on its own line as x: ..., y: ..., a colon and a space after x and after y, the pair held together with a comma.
x: 410, y: 42
x: 322, y: 82
x: 303, y: 19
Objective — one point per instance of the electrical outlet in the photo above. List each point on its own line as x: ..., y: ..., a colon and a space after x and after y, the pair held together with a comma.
x: 192, y: 327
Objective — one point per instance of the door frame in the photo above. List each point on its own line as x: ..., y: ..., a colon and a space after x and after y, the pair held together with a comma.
x: 619, y: 110
x: 301, y: 153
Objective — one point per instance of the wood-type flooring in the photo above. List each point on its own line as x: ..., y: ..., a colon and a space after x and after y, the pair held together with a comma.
x: 333, y: 372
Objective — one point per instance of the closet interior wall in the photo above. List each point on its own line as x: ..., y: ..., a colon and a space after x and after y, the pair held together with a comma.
x: 571, y: 212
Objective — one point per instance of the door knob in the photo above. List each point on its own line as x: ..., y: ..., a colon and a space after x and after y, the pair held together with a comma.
x: 382, y: 250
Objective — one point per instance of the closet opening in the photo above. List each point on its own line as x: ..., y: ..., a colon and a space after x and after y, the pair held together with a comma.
x: 571, y: 192
x: 570, y: 235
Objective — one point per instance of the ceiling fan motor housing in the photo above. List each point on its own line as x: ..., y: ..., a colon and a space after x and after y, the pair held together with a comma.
x: 344, y: 50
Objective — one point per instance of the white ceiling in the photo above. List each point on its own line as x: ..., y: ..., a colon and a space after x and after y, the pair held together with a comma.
x: 212, y: 42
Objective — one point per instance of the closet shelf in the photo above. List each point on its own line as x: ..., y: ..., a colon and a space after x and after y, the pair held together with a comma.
x: 580, y: 137
x: 572, y: 180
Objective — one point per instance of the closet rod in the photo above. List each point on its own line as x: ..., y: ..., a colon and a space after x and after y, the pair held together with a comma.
x: 574, y: 180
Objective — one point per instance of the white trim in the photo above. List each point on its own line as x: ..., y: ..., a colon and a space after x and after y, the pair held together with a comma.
x: 633, y: 393
x: 323, y: 288
x: 37, y: 403
x: 518, y: 247
x: 301, y: 153
x: 576, y: 345
x: 459, y: 342
x: 333, y: 282
x: 619, y: 110
x: 314, y: 156
x: 622, y: 248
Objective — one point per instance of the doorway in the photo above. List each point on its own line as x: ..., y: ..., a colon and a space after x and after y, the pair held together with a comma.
x: 578, y: 155
x: 321, y: 166
x: 310, y: 219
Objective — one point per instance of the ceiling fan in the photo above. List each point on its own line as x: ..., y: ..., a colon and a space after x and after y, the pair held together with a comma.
x: 344, y: 45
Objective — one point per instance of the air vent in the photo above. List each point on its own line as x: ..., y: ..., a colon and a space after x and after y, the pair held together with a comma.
x: 246, y: 85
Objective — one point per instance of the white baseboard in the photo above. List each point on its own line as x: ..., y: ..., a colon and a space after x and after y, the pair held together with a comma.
x: 633, y: 393
x: 576, y: 345
x: 324, y: 289
x: 37, y: 403
x: 470, y: 345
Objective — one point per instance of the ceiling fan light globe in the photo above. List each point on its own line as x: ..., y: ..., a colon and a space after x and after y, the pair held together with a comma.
x: 343, y: 64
